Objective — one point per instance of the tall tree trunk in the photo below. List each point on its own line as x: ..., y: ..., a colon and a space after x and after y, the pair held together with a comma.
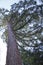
x: 13, y: 55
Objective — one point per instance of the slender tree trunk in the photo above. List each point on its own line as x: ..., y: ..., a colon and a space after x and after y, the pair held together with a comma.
x: 13, y: 55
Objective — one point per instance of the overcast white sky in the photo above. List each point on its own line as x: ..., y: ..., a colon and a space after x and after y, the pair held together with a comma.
x: 3, y: 50
x: 7, y: 3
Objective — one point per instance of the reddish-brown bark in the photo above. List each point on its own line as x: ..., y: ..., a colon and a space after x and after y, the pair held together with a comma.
x: 13, y: 55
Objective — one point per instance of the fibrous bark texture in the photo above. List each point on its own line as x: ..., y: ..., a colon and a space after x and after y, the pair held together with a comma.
x: 13, y: 55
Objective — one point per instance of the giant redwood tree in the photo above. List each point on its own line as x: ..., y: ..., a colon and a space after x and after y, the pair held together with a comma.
x: 26, y: 24
x: 13, y: 55
x: 25, y: 30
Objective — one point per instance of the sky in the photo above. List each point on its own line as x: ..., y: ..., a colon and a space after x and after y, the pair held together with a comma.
x: 3, y: 50
x: 6, y: 3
